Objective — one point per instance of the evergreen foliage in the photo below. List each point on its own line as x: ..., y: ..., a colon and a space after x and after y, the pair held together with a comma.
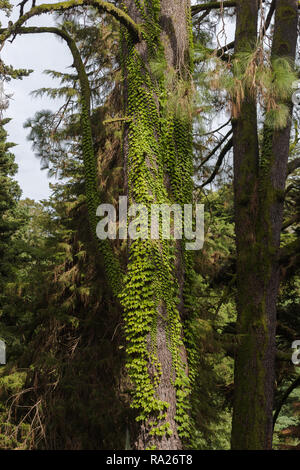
x: 83, y: 321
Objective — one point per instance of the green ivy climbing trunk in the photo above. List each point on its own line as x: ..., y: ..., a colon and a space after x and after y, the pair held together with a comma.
x: 158, y: 166
x: 259, y: 181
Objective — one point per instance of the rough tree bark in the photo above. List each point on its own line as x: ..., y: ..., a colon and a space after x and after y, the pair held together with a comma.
x: 259, y: 182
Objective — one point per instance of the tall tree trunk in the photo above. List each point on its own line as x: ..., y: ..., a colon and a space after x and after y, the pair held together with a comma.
x: 158, y: 168
x: 259, y: 187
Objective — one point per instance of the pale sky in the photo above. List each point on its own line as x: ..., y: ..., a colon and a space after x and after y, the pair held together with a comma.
x: 37, y: 52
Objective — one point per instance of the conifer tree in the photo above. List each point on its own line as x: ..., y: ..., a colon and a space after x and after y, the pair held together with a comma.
x: 154, y: 280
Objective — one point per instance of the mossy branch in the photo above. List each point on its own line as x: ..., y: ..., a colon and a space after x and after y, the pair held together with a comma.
x: 101, y: 5
x: 291, y: 388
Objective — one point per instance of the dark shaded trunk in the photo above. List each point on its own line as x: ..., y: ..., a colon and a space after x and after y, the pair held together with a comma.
x: 259, y: 195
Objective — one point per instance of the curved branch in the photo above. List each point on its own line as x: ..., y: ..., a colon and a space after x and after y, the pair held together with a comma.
x: 101, y: 5
x: 285, y: 396
x: 229, y: 46
x: 111, y: 264
x: 78, y: 64
x: 293, y: 220
x: 215, y: 6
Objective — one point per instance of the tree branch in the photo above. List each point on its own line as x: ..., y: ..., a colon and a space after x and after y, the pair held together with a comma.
x: 285, y: 396
x: 101, y: 5
x: 269, y: 17
x: 222, y: 155
x: 78, y: 64
x: 293, y: 220
x: 293, y: 165
x: 211, y: 6
x: 111, y: 263
x: 211, y: 154
x: 218, y: 129
x: 229, y: 46
x: 216, y: 6
x: 231, y: 349
x: 289, y: 257
x: 226, y: 48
